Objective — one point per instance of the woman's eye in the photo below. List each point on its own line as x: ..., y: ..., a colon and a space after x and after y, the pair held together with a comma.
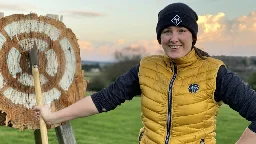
x: 182, y: 30
x: 167, y: 31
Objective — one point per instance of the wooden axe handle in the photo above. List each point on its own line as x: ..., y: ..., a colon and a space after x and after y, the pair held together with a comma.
x: 39, y: 101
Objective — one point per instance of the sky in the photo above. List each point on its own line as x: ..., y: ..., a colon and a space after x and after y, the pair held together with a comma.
x: 102, y: 27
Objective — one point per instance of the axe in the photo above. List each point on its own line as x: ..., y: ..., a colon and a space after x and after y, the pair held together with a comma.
x: 35, y: 72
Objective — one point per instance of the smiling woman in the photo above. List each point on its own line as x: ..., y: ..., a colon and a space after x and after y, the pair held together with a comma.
x: 181, y: 91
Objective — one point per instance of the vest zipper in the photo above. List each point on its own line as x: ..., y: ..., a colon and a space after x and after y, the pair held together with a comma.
x: 168, y: 132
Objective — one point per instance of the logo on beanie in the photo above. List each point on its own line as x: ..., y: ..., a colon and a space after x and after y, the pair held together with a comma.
x: 193, y: 88
x: 176, y: 20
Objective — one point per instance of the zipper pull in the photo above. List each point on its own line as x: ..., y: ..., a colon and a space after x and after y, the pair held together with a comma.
x: 202, y: 141
x: 173, y: 67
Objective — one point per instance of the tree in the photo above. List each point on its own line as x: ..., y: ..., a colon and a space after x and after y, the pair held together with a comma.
x: 130, y: 53
x: 252, y: 81
x: 126, y: 58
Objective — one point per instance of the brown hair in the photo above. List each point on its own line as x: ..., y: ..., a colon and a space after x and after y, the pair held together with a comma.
x: 202, y: 54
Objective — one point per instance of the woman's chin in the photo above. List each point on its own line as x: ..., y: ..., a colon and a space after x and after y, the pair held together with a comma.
x: 175, y: 56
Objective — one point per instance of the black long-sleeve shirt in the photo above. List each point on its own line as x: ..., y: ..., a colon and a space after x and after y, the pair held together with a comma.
x: 229, y: 88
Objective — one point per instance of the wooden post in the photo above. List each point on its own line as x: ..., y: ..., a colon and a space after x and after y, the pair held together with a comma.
x: 65, y: 134
x: 37, y: 135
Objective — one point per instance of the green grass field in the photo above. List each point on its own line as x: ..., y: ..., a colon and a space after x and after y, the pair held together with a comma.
x: 121, y: 126
x: 90, y: 75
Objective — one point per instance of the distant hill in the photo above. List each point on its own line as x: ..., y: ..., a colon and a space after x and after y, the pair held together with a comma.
x: 100, y: 63
x: 242, y: 66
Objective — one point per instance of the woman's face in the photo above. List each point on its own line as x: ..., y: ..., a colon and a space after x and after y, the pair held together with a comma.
x: 176, y: 41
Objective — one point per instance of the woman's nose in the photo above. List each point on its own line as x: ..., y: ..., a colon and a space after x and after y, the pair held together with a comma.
x: 174, y: 38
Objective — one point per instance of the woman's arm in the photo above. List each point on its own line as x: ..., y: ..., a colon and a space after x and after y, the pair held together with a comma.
x: 248, y: 137
x: 82, y: 108
x: 124, y: 88
x: 240, y: 97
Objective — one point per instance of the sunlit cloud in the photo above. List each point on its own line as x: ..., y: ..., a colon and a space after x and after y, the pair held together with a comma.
x: 220, y: 36
x: 217, y: 35
x: 151, y: 47
x: 18, y: 8
x: 98, y: 52
x: 120, y: 42
x: 85, y: 45
x: 142, y: 48
x: 82, y: 13
x: 12, y: 7
x: 105, y: 51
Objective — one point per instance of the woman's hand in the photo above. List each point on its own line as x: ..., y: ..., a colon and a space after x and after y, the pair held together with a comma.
x: 45, y: 112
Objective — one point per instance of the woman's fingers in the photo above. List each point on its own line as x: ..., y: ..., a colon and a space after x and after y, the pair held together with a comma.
x: 41, y: 111
x: 37, y: 110
x: 37, y: 115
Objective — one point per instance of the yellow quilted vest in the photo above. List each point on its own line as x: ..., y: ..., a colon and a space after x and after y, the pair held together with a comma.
x: 177, y: 100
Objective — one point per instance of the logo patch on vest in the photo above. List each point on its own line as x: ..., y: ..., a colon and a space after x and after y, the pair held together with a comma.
x: 176, y: 20
x: 193, y: 88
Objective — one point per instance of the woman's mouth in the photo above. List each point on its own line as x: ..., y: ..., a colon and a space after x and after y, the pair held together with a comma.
x: 174, y: 47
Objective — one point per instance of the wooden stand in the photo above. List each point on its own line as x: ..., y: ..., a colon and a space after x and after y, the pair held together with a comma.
x: 63, y: 132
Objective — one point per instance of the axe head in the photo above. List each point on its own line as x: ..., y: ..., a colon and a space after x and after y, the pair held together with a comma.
x: 33, y: 56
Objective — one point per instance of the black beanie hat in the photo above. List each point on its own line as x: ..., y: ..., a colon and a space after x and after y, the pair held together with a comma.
x: 177, y: 14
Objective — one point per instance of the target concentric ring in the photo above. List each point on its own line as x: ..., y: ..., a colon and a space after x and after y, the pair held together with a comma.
x: 61, y: 77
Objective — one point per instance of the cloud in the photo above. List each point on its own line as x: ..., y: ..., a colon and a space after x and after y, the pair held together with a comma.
x: 220, y: 36
x: 97, y: 51
x: 12, y: 7
x: 104, y: 51
x: 120, y: 42
x: 85, y: 45
x: 151, y: 47
x: 217, y: 35
x: 83, y: 13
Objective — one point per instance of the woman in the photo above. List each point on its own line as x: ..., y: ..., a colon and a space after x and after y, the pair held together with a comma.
x: 181, y: 91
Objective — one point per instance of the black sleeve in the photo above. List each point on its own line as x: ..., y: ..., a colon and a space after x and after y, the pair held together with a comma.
x: 124, y: 88
x: 235, y: 93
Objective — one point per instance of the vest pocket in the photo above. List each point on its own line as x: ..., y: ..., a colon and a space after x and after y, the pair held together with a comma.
x: 202, y: 141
